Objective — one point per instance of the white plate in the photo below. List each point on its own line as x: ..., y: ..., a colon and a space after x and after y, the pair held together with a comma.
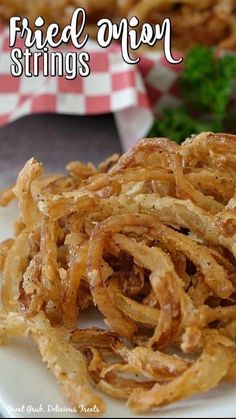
x: 26, y: 384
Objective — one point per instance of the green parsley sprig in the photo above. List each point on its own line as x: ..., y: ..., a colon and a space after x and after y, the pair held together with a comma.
x: 206, y: 84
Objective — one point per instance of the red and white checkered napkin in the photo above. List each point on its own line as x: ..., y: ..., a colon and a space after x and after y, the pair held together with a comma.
x: 133, y: 93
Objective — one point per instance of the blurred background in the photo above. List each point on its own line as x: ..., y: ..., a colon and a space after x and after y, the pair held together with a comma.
x: 58, y: 120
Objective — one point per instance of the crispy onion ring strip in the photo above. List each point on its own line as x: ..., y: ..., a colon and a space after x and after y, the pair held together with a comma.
x: 206, y: 373
x: 176, y: 306
x: 57, y: 206
x: 114, y: 317
x: 77, y: 268
x: 14, y: 268
x: 6, y: 196
x: 153, y: 365
x: 4, y: 249
x: 111, y: 383
x: 50, y: 279
x: 215, y: 275
x: 186, y: 214
x: 22, y: 190
x: 136, y: 311
x: 66, y: 363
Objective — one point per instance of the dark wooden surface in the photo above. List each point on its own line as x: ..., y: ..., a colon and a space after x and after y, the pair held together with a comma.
x: 55, y: 140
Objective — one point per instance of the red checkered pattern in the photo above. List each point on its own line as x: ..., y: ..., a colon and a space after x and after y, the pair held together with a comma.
x: 132, y: 93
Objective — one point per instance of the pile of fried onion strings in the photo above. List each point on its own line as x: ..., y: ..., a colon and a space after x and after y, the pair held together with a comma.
x: 148, y: 240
